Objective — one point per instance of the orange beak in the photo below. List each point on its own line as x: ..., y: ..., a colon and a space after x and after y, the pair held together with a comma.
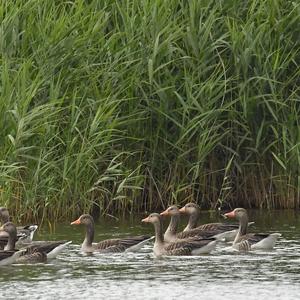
x: 77, y: 222
x: 230, y: 214
x: 182, y: 210
x: 146, y: 220
x: 164, y: 213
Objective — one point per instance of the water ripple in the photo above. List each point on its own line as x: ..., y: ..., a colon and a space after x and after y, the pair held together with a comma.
x: 223, y: 274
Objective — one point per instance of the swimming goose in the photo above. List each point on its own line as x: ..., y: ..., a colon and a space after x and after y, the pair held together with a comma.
x: 224, y: 231
x: 25, y: 233
x: 219, y: 232
x: 190, y: 246
x: 250, y: 241
x: 116, y: 245
x: 38, y: 251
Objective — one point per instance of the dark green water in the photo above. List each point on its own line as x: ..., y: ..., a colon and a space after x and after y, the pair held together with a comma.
x: 221, y: 275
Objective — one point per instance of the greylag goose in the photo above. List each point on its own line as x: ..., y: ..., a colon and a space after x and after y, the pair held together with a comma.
x: 116, y: 245
x: 218, y: 232
x: 190, y: 246
x: 250, y: 241
x: 38, y: 251
x: 25, y: 233
x: 223, y: 231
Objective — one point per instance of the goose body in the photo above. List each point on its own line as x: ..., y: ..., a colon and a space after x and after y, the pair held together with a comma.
x: 190, y: 246
x: 116, y: 245
x: 250, y: 241
x: 50, y: 248
x: 31, y: 257
x: 38, y: 251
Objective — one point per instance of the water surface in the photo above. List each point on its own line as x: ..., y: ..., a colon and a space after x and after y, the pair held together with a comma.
x: 221, y: 275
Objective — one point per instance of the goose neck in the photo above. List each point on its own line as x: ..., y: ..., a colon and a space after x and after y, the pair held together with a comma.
x: 243, y: 228
x: 11, y: 243
x: 89, y: 234
x: 159, y: 238
x: 193, y: 220
x: 173, y: 226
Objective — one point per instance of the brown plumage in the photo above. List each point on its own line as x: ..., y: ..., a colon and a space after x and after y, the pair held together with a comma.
x: 32, y: 256
x: 107, y: 246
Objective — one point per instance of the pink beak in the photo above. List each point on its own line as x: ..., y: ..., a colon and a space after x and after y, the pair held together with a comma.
x: 230, y: 214
x: 146, y: 220
x: 182, y: 209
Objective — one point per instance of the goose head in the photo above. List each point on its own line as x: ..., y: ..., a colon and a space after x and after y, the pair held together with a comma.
x: 190, y: 209
x: 153, y: 218
x: 171, y: 211
x: 237, y: 213
x: 4, y: 214
x: 84, y: 219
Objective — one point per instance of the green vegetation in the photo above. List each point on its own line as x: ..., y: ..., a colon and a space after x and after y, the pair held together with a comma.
x: 131, y: 105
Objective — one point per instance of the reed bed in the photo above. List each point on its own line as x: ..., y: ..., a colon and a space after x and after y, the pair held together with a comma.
x: 122, y: 106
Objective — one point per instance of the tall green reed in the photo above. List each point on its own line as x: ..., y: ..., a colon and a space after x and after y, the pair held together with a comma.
x: 120, y: 106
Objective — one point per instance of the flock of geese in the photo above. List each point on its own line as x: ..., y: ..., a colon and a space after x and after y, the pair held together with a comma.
x: 17, y: 245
